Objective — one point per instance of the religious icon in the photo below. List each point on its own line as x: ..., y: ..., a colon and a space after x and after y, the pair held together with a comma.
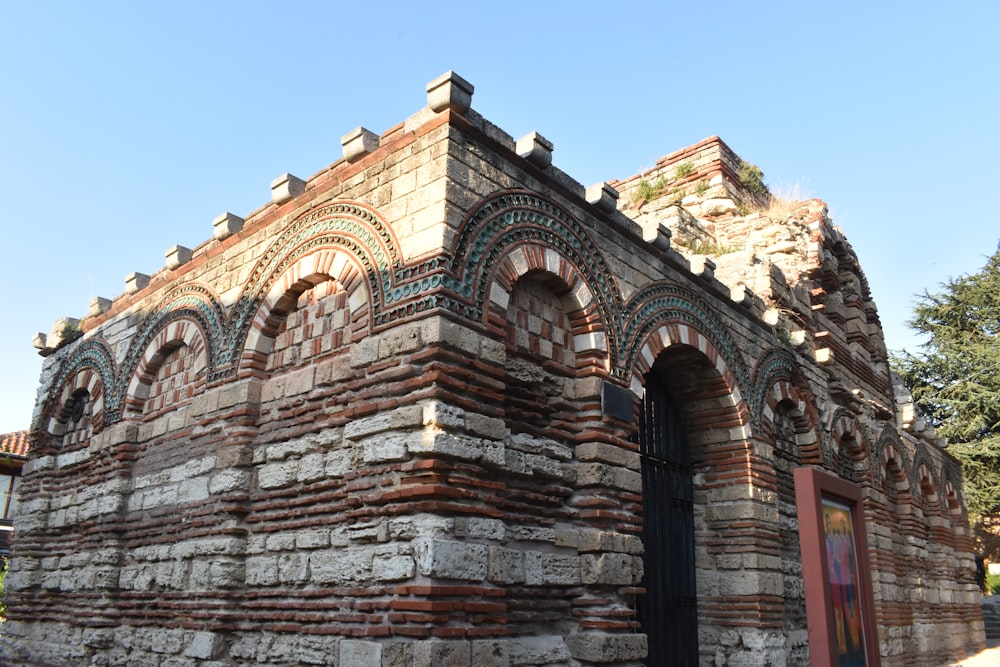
x: 842, y: 569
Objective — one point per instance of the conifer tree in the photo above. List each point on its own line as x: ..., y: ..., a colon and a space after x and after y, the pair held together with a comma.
x: 955, y: 380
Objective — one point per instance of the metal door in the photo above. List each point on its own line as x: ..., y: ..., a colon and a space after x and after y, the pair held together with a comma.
x: 668, y: 612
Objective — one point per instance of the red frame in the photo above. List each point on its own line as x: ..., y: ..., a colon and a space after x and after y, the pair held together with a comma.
x: 812, y: 487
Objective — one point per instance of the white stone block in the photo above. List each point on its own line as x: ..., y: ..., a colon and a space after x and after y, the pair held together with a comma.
x: 285, y: 187
x: 359, y: 652
x: 177, y: 256
x: 536, y: 148
x: 603, y: 196
x: 449, y: 91
x: 135, y: 282
x: 99, y: 305
x: 358, y: 142
x: 452, y: 560
x: 225, y: 225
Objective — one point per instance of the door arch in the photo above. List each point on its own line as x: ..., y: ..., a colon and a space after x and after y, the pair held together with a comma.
x: 668, y: 613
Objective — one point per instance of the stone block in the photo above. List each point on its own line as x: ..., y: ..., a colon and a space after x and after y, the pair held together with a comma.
x: 536, y: 148
x: 360, y: 652
x: 545, y: 569
x: 603, y: 196
x: 177, y: 256
x: 392, y: 568
x: 604, y: 648
x: 278, y: 475
x: 435, y: 653
x: 99, y: 305
x: 490, y: 653
x: 340, y: 566
x: 461, y: 447
x: 135, y: 282
x: 443, y: 415
x: 493, y: 428
x: 386, y: 447
x: 452, y: 560
x: 230, y: 480
x: 286, y: 187
x: 204, y: 646
x: 408, y: 416
x: 544, y: 650
x: 225, y: 225
x: 313, y: 538
x: 449, y: 91
x: 357, y: 143
x: 611, y: 569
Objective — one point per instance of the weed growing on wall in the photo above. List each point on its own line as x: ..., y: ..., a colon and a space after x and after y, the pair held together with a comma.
x: 752, y: 178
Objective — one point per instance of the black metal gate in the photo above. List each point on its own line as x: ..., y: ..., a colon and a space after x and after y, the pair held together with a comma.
x: 668, y: 612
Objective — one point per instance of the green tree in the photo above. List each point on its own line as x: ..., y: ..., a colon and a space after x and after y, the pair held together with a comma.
x: 955, y: 380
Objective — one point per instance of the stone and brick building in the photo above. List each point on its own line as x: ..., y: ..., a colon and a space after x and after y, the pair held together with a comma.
x: 13, y: 454
x: 440, y: 404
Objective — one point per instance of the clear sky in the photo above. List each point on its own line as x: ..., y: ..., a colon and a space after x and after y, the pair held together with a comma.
x: 125, y: 127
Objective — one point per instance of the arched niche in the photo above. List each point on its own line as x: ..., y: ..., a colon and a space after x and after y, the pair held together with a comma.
x: 316, y: 307
x: 852, y: 458
x: 697, y: 469
x: 79, y: 407
x: 171, y: 371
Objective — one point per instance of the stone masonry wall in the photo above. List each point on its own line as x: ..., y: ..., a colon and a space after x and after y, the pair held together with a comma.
x: 390, y: 419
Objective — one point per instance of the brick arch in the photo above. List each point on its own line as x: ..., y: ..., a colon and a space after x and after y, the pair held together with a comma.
x: 85, y: 389
x: 561, y: 277
x: 894, y: 471
x: 788, y: 397
x: 688, y: 346
x: 194, y: 302
x: 888, y: 447
x: 510, y: 225
x: 953, y: 500
x: 94, y: 358
x: 308, y: 271
x: 176, y: 335
x: 927, y: 484
x: 852, y: 453
x: 332, y: 230
x: 669, y: 311
x: 715, y: 422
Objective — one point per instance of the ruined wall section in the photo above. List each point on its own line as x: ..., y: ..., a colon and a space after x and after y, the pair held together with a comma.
x: 789, y: 253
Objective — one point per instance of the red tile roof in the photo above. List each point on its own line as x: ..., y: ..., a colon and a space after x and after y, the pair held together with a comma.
x: 14, y: 444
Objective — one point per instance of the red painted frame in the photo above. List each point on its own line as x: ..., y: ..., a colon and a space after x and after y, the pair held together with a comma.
x: 812, y: 486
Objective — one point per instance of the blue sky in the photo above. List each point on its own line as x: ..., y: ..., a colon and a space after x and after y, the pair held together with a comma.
x: 125, y: 127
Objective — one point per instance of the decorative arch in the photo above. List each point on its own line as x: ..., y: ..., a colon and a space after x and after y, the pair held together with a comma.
x: 851, y: 451
x: 888, y: 447
x: 94, y: 356
x: 683, y: 315
x: 894, y: 469
x: 776, y: 382
x: 332, y: 229
x: 681, y: 338
x: 563, y: 279
x: 308, y: 271
x: 177, y: 333
x: 694, y: 438
x: 193, y: 302
x: 510, y: 220
x: 953, y: 499
x: 82, y: 397
x: 927, y: 482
